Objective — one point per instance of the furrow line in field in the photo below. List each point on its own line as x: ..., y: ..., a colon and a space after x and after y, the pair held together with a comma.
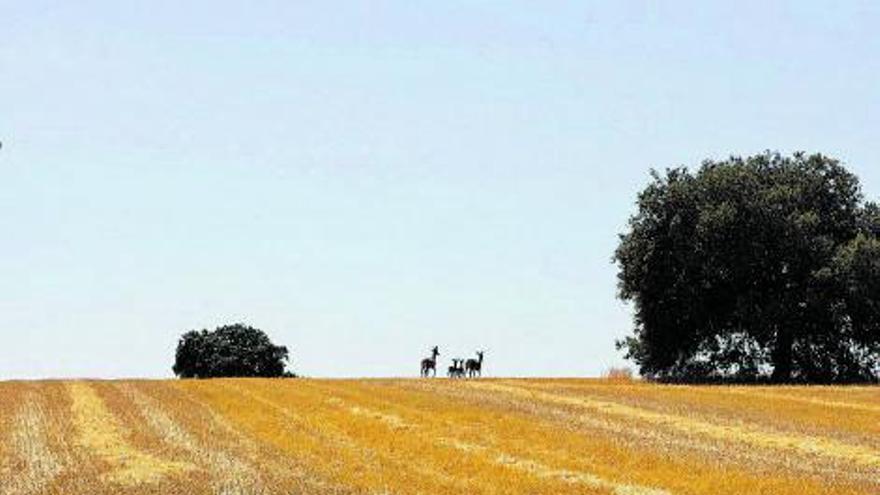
x: 378, y: 464
x: 745, y: 433
x: 102, y: 433
x: 229, y: 475
x: 425, y: 426
x: 574, y: 477
x: 31, y: 447
x: 713, y: 395
x: 807, y: 400
x: 783, y: 413
x: 543, y: 471
x: 396, y: 426
x: 11, y: 396
x: 556, y: 416
x: 278, y: 473
x: 646, y: 437
x: 801, y: 394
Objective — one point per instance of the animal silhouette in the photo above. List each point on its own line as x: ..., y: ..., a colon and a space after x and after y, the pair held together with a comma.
x: 457, y: 368
x: 430, y: 364
x: 453, y: 370
x: 475, y: 366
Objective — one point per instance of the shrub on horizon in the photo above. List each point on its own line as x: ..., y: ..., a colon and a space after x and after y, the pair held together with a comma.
x: 230, y: 351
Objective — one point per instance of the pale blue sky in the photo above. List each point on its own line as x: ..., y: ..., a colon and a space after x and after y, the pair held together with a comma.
x: 366, y: 180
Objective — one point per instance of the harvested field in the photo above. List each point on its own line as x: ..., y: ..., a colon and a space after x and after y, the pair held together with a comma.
x: 435, y: 436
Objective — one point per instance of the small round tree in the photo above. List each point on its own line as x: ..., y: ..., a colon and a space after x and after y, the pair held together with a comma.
x: 229, y: 351
x: 758, y: 268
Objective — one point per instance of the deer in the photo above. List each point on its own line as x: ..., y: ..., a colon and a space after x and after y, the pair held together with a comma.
x: 454, y: 369
x: 457, y: 368
x: 459, y: 372
x: 475, y: 366
x: 430, y: 364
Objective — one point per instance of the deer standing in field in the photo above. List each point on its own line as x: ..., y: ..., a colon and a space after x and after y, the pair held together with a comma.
x: 475, y: 366
x: 457, y: 369
x: 430, y: 364
x: 453, y: 370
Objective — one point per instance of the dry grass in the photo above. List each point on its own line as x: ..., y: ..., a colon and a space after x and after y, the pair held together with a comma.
x: 619, y: 374
x: 611, y: 436
x: 37, y: 464
x: 100, y: 432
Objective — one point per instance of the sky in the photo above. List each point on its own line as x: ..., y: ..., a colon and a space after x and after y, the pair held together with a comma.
x: 366, y: 180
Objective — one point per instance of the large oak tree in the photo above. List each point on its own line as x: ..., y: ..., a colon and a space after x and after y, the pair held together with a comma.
x: 758, y: 268
x: 229, y: 351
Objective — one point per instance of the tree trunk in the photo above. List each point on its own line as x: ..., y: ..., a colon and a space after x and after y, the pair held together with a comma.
x: 782, y: 356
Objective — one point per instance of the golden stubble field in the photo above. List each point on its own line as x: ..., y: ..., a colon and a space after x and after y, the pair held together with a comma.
x: 435, y: 436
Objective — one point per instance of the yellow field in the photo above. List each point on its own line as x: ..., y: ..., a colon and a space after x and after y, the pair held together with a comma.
x: 435, y: 436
